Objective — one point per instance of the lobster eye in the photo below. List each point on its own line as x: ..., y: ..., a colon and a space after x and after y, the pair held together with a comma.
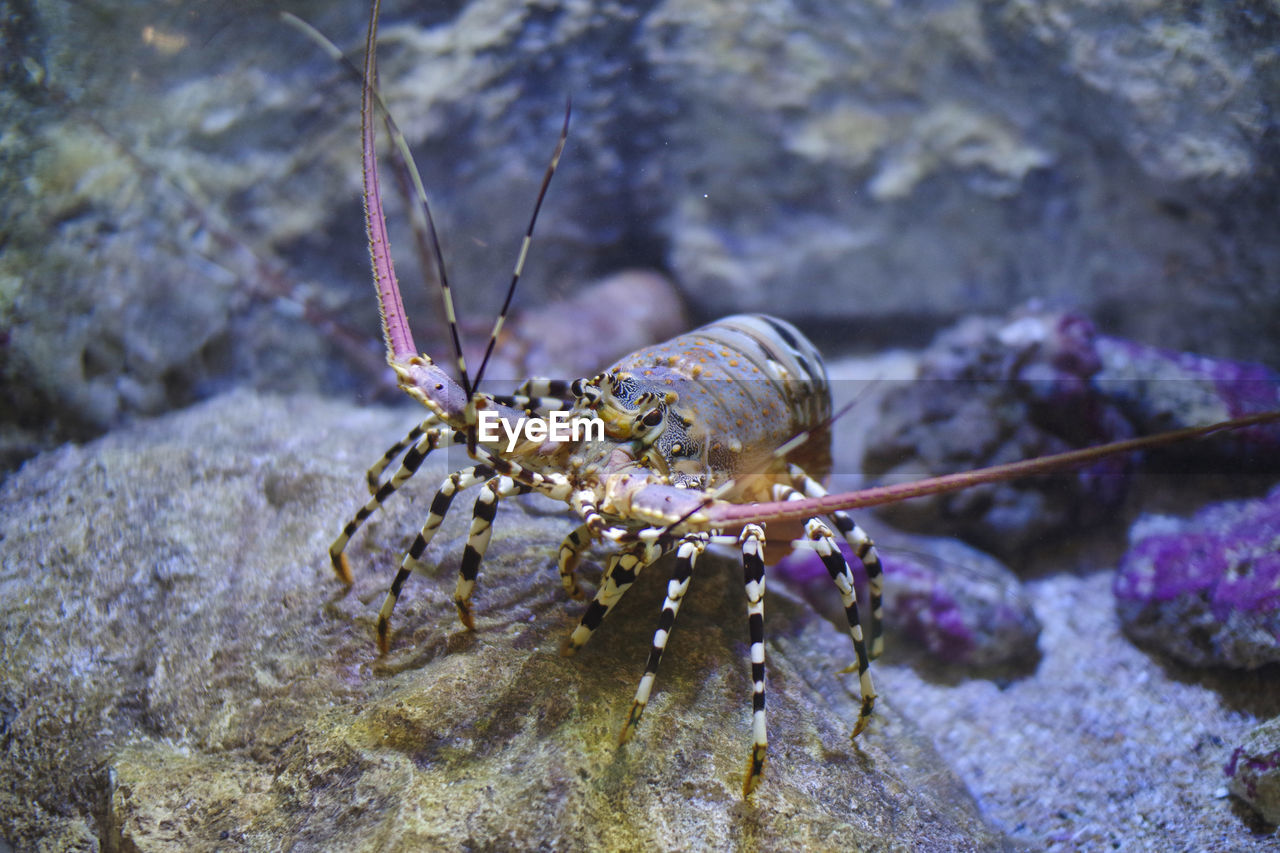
x: 652, y: 418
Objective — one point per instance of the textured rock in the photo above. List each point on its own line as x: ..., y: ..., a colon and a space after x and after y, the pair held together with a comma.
x: 182, y: 209
x: 959, y: 605
x: 575, y: 337
x: 1206, y: 590
x: 1254, y: 770
x: 181, y: 670
x: 1160, y: 389
x: 990, y: 391
x: 1036, y: 382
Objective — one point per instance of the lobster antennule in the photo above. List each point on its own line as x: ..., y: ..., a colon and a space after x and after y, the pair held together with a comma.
x: 395, y: 325
x: 526, y: 242
x: 730, y: 515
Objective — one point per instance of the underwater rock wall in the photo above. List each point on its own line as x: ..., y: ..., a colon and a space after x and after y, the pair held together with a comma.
x: 182, y: 188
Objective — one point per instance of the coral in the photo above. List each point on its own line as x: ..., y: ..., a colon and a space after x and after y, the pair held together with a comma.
x: 1037, y: 382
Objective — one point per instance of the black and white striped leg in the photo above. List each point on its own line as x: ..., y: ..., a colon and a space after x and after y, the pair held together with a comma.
x: 864, y: 548
x: 583, y: 503
x: 687, y: 553
x: 374, y: 475
x: 478, y: 541
x: 752, y: 540
x: 623, y: 569
x: 413, y: 558
x: 825, y: 544
x: 538, y: 396
x: 568, y: 557
x: 428, y: 438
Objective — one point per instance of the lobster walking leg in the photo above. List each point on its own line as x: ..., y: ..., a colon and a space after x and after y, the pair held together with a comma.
x: 429, y: 435
x: 836, y: 565
x: 374, y: 475
x: 567, y: 559
x: 538, y: 396
x: 456, y: 481
x: 862, y: 545
x: 624, y: 567
x: 478, y: 541
x: 752, y: 540
x: 824, y: 542
x: 687, y: 553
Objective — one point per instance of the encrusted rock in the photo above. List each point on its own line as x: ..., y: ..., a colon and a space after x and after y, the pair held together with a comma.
x: 1206, y: 590
x: 990, y: 391
x: 1254, y: 770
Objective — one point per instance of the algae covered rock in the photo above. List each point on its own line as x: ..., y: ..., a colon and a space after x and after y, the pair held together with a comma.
x: 1206, y: 590
x: 1254, y: 770
x: 182, y: 670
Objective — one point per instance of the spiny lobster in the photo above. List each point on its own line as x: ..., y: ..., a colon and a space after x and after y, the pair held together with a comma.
x: 723, y: 429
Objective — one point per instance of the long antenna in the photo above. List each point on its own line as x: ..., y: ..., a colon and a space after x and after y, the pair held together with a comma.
x: 730, y: 515
x: 422, y: 222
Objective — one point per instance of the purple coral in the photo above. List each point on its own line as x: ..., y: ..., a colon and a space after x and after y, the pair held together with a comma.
x: 992, y: 391
x: 1159, y: 389
x: 1206, y: 590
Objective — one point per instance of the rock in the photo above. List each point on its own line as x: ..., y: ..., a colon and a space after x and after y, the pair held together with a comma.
x: 1036, y: 382
x: 990, y: 391
x: 1160, y: 389
x: 1206, y: 590
x: 577, y: 337
x: 961, y: 606
x: 1254, y: 770
x: 182, y: 670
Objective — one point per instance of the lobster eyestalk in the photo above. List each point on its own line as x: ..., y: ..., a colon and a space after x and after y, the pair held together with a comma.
x: 734, y: 515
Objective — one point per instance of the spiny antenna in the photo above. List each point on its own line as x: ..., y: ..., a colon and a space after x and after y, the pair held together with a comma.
x: 524, y: 244
x: 395, y: 326
x: 731, y: 515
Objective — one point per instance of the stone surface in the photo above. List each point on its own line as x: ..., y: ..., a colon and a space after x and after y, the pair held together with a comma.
x: 995, y: 390
x: 989, y: 391
x: 182, y: 671
x: 182, y: 209
x: 1254, y: 770
x: 1206, y: 590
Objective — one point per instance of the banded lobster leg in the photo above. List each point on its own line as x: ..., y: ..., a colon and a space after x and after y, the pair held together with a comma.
x: 687, y: 553
x: 865, y: 550
x: 482, y: 516
x: 624, y: 567
x: 424, y: 438
x: 568, y: 557
x: 538, y: 396
x: 823, y: 541
x: 440, y: 504
x: 752, y: 539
